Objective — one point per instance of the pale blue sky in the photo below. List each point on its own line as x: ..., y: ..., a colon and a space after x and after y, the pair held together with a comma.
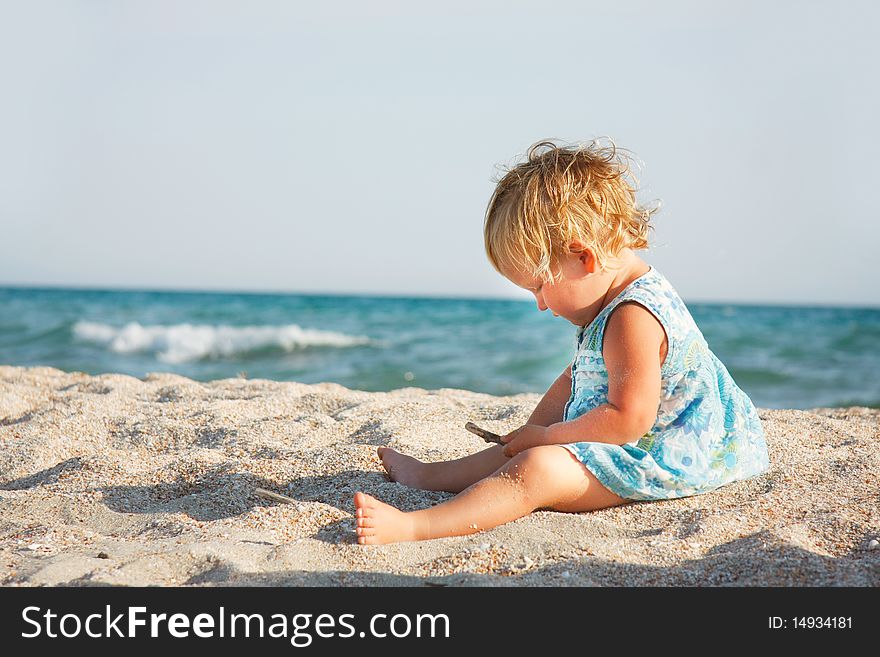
x: 350, y: 146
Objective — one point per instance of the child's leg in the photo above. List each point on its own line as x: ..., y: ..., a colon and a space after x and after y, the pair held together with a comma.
x: 451, y: 476
x: 455, y: 476
x: 541, y: 477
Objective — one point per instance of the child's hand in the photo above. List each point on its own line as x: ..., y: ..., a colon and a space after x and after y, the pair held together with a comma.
x: 527, y: 436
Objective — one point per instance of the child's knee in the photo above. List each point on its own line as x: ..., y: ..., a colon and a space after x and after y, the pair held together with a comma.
x: 537, y: 463
x: 546, y: 475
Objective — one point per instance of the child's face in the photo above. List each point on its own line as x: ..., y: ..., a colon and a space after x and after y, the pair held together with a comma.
x: 577, y: 296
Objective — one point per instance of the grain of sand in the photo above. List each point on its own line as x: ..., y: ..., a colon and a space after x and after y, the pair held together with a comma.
x: 114, y: 480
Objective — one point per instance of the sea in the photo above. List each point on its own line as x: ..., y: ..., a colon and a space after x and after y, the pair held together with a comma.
x: 782, y: 356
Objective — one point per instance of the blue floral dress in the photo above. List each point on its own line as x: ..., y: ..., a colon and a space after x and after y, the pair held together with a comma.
x: 707, y: 431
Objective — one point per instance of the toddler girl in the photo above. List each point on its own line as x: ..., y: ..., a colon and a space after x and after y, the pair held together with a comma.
x: 644, y: 412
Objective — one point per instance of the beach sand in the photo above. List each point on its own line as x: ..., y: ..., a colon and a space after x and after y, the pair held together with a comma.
x: 113, y: 480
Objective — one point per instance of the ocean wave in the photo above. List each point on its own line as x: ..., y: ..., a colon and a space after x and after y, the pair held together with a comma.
x: 180, y: 343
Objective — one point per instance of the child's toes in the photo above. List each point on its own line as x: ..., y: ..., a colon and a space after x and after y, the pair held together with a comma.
x: 365, y: 522
x: 364, y: 501
x: 365, y: 535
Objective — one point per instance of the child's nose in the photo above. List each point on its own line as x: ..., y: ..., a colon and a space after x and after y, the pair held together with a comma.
x: 541, y: 305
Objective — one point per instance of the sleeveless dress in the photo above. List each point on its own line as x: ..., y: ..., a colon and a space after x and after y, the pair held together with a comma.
x: 707, y: 432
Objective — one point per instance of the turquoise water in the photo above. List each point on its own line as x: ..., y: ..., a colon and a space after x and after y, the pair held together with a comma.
x: 784, y: 357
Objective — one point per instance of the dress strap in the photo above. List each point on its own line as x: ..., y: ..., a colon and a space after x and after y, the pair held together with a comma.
x: 647, y: 291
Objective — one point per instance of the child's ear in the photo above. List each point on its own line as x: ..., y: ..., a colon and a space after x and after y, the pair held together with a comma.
x: 585, y: 255
x: 589, y: 259
x: 576, y: 246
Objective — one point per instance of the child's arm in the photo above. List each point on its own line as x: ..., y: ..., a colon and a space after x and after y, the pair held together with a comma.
x: 549, y: 410
x: 634, y: 348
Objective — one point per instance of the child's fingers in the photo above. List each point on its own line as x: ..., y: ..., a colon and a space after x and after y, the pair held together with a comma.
x: 506, y: 438
x: 520, y: 440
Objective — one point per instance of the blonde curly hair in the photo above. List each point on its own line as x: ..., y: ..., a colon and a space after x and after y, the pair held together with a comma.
x: 562, y: 194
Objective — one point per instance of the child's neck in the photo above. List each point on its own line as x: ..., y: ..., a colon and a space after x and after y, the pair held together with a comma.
x: 630, y: 267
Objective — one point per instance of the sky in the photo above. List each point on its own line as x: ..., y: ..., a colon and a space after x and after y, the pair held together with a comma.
x: 351, y: 147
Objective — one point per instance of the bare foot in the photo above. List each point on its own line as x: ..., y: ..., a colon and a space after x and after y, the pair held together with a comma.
x: 402, y: 468
x: 379, y: 523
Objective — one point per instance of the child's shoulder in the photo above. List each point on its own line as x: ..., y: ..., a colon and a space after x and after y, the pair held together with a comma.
x: 632, y: 329
x: 651, y: 290
x: 652, y: 294
x: 654, y: 291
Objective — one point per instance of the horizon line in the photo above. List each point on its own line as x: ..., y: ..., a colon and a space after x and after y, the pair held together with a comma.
x: 401, y: 295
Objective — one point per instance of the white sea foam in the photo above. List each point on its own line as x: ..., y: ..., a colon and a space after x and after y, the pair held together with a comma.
x: 180, y: 343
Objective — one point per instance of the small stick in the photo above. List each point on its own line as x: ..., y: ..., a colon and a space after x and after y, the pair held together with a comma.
x: 488, y: 436
x: 262, y: 492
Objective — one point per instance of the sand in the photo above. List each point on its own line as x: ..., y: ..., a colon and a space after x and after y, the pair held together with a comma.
x: 114, y: 480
